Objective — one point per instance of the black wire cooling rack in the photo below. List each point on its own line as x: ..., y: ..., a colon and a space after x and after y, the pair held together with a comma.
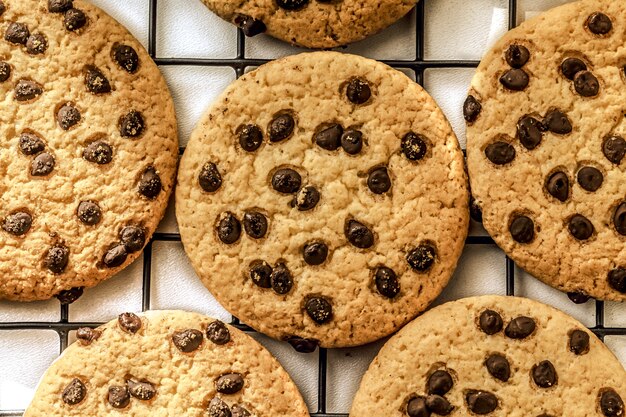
x: 239, y: 65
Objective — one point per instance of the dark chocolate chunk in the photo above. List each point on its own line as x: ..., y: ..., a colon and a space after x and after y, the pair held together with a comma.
x: 115, y: 256
x: 255, y: 224
x: 119, y: 397
x: 17, y: 33
x: 515, y: 79
x: 142, y: 390
x: 96, y: 81
x: 611, y: 403
x: 150, y: 183
x: 413, y: 146
x: 133, y: 238
x: 579, y: 342
x: 229, y: 383
x: 98, y: 152
x: 5, y: 71
x: 422, y: 257
x: 57, y: 258
x: 187, y: 340
x: 614, y: 149
x: 74, y: 392
x: 239, y: 411
x: 59, y: 6
x: 590, y: 178
x: 572, y: 66
x: 36, y: 44
x: 387, y: 282
x: 17, y: 223
x: 131, y: 124
x: 250, y: 137
x: 218, y: 408
x: 30, y: 144
x: 319, y: 309
x: 599, y: 23
x: 292, y: 4
x: 126, y: 57
x: 619, y: 219
x: 228, y: 228
x: 42, y: 165
x: 416, y: 407
x: 544, y: 374
x: 522, y: 229
x: 89, y: 213
x: 286, y: 181
x: 580, y: 227
x: 358, y: 91
x: 250, y: 25
x: 281, y: 127
x: 557, y: 122
x: 586, y: 84
x: 329, y: 138
x: 471, y: 109
x: 520, y: 327
x: 69, y: 296
x: 87, y: 335
x: 617, y: 279
x: 481, y: 402
x: 517, y: 55
x: 352, y: 141
x: 557, y: 186
x: 500, y: 153
x: 529, y: 132
x: 378, y: 180
x: 281, y: 280
x: 74, y: 19
x: 498, y: 367
x: 303, y: 345
x: 438, y: 405
x: 3, y: 8
x: 210, y: 179
x: 260, y: 273
x: 490, y: 322
x: 218, y: 333
x: 306, y: 198
x: 68, y: 116
x: 358, y: 234
x: 440, y: 382
x: 578, y: 297
x: 129, y: 322
x: 315, y: 253
x: 27, y: 90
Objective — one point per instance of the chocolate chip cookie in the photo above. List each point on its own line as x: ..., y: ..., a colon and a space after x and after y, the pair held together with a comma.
x: 495, y: 356
x: 312, y: 23
x: 166, y: 363
x: 323, y: 197
x: 88, y: 152
x: 545, y: 147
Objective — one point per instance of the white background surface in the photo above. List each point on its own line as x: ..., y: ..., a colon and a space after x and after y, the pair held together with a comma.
x: 455, y: 29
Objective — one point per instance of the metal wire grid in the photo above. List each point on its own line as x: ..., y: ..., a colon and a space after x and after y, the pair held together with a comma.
x: 239, y: 64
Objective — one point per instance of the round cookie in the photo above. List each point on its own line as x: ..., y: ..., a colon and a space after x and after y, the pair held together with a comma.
x: 323, y: 197
x: 89, y: 148
x: 312, y: 23
x: 545, y: 147
x: 496, y: 356
x: 166, y: 363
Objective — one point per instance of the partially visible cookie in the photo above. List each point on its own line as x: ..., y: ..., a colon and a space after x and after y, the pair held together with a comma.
x: 323, y: 197
x: 496, y: 356
x: 312, y: 23
x: 166, y: 363
x: 88, y: 148
x: 546, y: 147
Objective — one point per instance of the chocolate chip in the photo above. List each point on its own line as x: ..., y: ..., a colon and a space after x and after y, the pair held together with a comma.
x: 74, y: 392
x: 378, y: 180
x: 617, y: 279
x: 98, y: 152
x: 292, y: 4
x: 17, y: 33
x: 557, y: 122
x: 281, y: 280
x: 498, y: 367
x: 119, y: 397
x: 614, y: 149
x: 228, y: 228
x: 329, y: 138
x: 286, y: 181
x: 578, y: 297
x: 529, y: 132
x: 27, y: 90
x: 229, y: 383
x: 3, y: 8
x: 209, y: 178
x: 315, y: 253
x: 36, y: 44
x: 352, y: 141
x: 96, y: 81
x: 358, y: 234
x: 218, y: 333
x: 218, y: 408
x: 89, y: 213
x: 515, y: 79
x: 133, y: 238
x: 250, y: 137
x: 579, y: 342
x: 386, y: 281
x: 281, y: 127
x: 306, y: 198
x: 413, y: 146
x: 517, y: 55
x: 572, y: 66
x: 131, y: 124
x: 586, y: 84
x: 17, y: 223
x: 69, y: 296
x: 59, y: 6
x: 358, y: 91
x: 150, y: 183
x: 57, y: 258
x: 471, y: 109
x: 126, y: 57
x: 87, y: 335
x: 481, y: 402
x: 422, y: 257
x: 250, y: 25
x: 187, y: 340
x: 500, y: 153
x: 580, y: 227
x: 522, y: 229
x: 30, y: 144
x: 438, y: 405
x: 476, y: 212
x: 599, y: 23
x: 74, y: 20
x: 303, y: 345
x: 520, y: 328
x: 115, y: 256
x: 129, y: 322
x: 611, y: 403
x: 239, y: 411
x: 319, y: 309
x: 68, y: 116
x: 490, y: 322
x: 557, y: 186
x: 255, y: 224
x: 260, y: 273
x: 440, y: 382
x: 544, y: 374
x: 5, y: 71
x: 142, y: 390
x: 416, y: 407
x: 42, y: 165
x: 590, y: 178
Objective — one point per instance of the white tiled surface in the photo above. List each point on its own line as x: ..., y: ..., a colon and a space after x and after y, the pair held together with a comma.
x: 455, y: 29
